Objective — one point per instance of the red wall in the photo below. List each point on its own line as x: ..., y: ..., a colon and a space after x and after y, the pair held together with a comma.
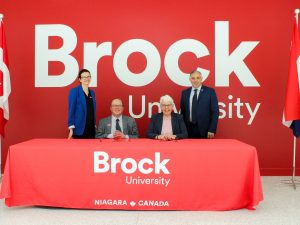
x: 41, y: 112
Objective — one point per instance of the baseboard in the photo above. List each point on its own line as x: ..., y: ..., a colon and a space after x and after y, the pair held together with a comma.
x: 278, y: 171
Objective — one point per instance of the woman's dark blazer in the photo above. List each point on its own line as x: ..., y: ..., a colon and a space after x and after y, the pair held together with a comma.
x: 178, y: 126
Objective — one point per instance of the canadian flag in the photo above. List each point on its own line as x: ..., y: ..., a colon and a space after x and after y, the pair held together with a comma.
x: 4, y: 80
x: 291, y: 116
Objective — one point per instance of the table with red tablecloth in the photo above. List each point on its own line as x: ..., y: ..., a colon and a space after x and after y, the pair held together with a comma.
x: 135, y: 174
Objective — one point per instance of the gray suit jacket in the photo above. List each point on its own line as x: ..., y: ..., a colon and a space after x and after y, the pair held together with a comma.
x: 128, y: 123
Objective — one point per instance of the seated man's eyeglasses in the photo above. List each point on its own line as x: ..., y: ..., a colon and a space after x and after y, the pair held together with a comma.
x: 116, y: 106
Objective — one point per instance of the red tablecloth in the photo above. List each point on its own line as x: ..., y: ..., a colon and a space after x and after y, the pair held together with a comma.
x: 144, y: 174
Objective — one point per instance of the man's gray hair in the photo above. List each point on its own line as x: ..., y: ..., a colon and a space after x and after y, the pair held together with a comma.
x: 195, y: 71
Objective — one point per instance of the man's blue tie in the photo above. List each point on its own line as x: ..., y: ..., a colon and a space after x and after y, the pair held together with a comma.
x: 118, y: 125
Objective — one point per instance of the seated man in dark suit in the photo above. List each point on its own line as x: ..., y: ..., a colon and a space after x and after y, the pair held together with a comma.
x: 167, y: 125
x: 117, y: 126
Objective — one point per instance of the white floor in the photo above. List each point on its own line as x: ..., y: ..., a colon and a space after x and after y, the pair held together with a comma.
x: 281, y: 206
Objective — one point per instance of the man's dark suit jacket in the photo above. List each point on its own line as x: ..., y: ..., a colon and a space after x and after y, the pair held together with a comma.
x: 178, y: 126
x: 207, y: 109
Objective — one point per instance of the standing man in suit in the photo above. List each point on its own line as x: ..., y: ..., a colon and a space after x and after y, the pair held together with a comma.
x: 199, y: 107
x: 117, y: 126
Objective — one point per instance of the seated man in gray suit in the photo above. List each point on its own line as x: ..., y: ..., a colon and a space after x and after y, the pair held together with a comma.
x: 117, y: 126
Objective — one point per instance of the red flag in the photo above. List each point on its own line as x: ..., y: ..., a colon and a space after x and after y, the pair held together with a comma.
x: 292, y: 98
x: 4, y: 80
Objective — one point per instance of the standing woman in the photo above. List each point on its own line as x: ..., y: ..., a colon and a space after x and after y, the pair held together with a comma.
x: 82, y: 108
